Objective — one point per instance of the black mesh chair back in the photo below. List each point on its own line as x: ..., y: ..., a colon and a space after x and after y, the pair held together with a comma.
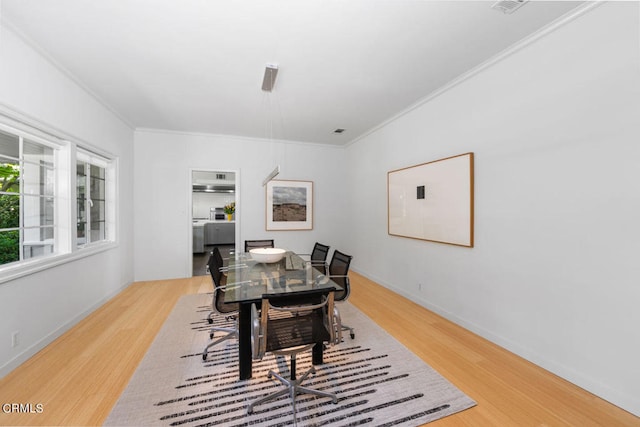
x: 290, y: 324
x: 214, y: 268
x: 219, y: 283
x: 338, y: 271
x: 218, y: 256
x: 306, y: 327
x: 256, y: 244
x: 319, y: 257
x: 218, y: 305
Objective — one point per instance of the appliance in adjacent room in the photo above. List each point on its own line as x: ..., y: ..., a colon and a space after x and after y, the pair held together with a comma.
x: 216, y: 214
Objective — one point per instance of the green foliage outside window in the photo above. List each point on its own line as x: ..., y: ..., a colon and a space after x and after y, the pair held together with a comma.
x: 9, y: 214
x: 9, y: 175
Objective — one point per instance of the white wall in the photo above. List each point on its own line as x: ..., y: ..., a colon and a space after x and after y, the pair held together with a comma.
x: 43, y: 305
x: 555, y: 128
x: 163, y: 162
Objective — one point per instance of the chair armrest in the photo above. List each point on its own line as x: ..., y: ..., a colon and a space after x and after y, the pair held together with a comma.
x: 337, y: 326
x: 232, y: 285
x: 294, y: 309
x: 320, y: 278
x: 311, y: 261
x: 233, y: 267
x: 258, y: 342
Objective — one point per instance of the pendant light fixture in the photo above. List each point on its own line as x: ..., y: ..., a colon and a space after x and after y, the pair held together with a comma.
x: 268, y: 81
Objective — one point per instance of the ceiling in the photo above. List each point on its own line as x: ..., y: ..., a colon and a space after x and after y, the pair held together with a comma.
x: 197, y: 65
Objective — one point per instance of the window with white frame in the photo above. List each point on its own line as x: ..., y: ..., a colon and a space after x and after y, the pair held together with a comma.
x: 91, y: 186
x: 56, y: 198
x: 27, y: 198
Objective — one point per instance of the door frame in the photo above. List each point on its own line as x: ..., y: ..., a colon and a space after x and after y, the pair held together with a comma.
x: 236, y: 173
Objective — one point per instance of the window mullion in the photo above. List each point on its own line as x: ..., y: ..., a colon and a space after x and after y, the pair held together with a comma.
x: 87, y: 205
x: 21, y: 196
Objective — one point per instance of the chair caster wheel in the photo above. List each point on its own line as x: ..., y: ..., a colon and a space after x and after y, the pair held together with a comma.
x: 210, y: 321
x: 352, y: 335
x: 204, y: 356
x: 211, y: 336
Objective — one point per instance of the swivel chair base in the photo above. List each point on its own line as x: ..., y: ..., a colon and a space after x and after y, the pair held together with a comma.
x: 231, y: 333
x: 293, y: 388
x: 352, y: 333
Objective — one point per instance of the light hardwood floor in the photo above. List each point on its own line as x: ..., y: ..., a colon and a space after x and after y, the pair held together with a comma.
x: 79, y: 377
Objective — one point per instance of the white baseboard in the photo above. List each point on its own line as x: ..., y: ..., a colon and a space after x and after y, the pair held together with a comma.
x: 627, y: 402
x: 49, y: 338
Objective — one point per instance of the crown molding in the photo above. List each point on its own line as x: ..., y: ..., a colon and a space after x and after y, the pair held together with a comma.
x: 235, y: 137
x: 518, y: 46
x: 4, y: 23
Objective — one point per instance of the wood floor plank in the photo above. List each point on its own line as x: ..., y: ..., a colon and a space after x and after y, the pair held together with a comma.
x: 80, y: 376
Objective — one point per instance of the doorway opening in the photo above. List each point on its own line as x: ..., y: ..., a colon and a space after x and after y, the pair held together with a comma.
x: 214, y: 222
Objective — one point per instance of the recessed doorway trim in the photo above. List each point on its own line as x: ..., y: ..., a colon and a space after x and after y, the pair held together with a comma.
x: 189, y: 224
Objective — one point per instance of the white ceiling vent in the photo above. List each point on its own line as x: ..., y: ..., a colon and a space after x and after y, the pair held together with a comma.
x: 508, y: 6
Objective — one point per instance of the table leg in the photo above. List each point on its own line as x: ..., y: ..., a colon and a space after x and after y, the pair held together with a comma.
x: 316, y: 355
x: 244, y: 341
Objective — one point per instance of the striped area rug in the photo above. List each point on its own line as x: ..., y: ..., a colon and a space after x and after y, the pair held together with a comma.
x: 378, y: 382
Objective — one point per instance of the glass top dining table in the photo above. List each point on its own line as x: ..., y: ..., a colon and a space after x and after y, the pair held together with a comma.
x: 248, y: 280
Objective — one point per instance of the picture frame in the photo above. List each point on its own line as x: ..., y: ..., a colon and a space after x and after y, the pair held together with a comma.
x: 433, y: 201
x: 289, y: 205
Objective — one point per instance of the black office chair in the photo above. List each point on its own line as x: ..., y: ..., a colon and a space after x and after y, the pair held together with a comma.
x: 288, y: 324
x: 338, y: 272
x: 318, y: 257
x: 217, y: 303
x: 216, y: 257
x: 256, y: 244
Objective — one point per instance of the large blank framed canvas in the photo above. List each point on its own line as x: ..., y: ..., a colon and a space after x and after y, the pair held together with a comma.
x: 433, y: 201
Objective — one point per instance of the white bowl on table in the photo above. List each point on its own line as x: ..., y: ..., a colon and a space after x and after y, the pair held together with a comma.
x: 267, y: 255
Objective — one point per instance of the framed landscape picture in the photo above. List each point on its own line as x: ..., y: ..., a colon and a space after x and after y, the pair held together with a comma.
x: 433, y: 201
x: 289, y: 205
